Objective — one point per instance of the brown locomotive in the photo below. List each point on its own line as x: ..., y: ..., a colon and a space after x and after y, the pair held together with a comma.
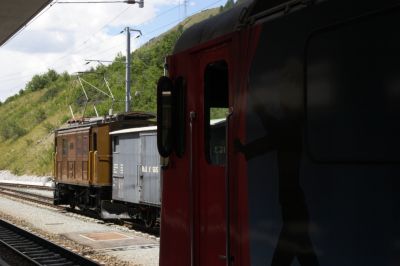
x: 83, y: 163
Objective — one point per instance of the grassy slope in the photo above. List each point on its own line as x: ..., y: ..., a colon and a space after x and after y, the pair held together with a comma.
x: 28, y: 119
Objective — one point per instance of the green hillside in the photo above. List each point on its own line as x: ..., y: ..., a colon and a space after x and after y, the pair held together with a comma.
x: 29, y: 118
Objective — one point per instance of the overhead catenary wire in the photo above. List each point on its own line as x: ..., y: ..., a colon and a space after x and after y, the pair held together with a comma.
x: 105, y: 25
x: 82, y: 44
x: 178, y: 20
x: 69, y: 52
x: 147, y: 34
x: 88, y: 39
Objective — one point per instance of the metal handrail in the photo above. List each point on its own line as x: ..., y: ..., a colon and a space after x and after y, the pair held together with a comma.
x: 227, y: 190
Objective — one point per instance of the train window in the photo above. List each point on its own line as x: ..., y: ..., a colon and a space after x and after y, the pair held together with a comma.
x: 353, y: 91
x: 115, y: 143
x: 94, y: 142
x: 64, y: 146
x: 164, y: 116
x: 215, y: 109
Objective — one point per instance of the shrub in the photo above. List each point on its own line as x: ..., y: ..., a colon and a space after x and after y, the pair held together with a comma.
x: 39, y: 82
x: 50, y: 93
x: 64, y: 119
x: 40, y: 115
x: 11, y: 130
x: 49, y: 127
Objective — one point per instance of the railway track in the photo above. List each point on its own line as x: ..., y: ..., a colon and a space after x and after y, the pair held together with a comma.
x: 27, y: 196
x: 15, y: 191
x: 35, y: 250
x: 45, y: 188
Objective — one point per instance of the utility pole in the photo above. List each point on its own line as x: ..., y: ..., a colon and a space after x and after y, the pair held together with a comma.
x: 128, y: 68
x: 185, y: 2
x: 128, y: 71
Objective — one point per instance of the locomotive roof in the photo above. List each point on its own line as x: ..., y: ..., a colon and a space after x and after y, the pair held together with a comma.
x: 133, y: 130
x: 227, y: 22
x: 87, y: 122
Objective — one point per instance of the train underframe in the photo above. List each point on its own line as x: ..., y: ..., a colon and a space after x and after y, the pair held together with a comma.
x: 99, y: 200
x: 83, y: 197
x: 147, y: 213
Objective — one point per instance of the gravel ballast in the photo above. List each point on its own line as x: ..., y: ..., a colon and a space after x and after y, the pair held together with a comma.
x: 67, y: 229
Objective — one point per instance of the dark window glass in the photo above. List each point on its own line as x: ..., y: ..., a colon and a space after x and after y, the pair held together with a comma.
x: 94, y: 142
x: 115, y: 143
x: 353, y: 91
x: 216, y: 99
x: 164, y: 116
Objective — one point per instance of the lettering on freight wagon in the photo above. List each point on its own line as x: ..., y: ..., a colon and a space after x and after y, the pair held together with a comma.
x: 150, y: 169
x: 118, y: 169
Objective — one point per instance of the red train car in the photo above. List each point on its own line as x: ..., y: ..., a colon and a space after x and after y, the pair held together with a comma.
x: 311, y: 169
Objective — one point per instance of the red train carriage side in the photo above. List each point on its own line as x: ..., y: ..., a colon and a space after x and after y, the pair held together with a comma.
x: 311, y: 174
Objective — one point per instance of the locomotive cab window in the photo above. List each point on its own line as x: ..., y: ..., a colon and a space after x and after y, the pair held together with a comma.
x: 216, y: 100
x: 94, y: 142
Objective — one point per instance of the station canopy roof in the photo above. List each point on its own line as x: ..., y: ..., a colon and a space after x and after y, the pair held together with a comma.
x: 15, y: 14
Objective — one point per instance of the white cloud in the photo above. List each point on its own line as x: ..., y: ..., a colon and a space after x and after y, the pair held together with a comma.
x: 67, y: 34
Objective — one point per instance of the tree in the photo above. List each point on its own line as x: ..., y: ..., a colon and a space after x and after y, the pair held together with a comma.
x: 39, y: 82
x: 228, y: 5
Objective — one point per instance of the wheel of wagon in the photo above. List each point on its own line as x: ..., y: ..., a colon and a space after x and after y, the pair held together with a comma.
x: 72, y: 203
x: 150, y: 219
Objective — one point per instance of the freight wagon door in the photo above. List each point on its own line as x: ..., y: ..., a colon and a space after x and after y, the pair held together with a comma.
x: 149, y: 170
x: 207, y: 135
x: 126, y: 161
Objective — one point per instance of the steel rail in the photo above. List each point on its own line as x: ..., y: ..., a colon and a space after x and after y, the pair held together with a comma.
x: 26, y: 186
x: 38, y: 250
x: 32, y: 197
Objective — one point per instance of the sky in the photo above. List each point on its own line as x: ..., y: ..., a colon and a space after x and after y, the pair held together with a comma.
x: 63, y: 36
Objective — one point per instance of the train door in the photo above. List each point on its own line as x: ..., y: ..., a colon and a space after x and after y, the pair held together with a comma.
x: 149, y: 170
x: 207, y: 151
